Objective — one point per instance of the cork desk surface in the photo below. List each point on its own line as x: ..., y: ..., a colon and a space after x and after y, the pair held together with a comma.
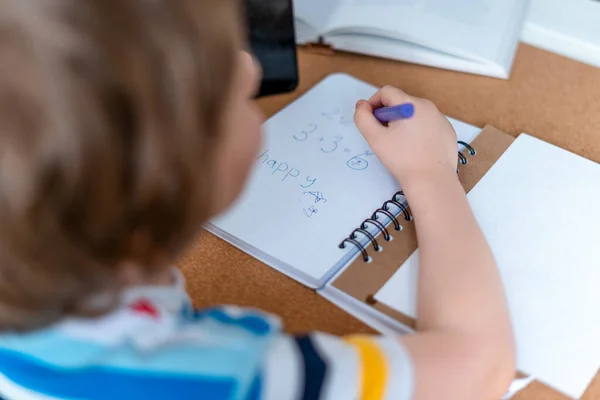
x: 547, y: 96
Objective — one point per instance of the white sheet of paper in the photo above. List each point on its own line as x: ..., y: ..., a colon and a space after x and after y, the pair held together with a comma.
x: 567, y: 28
x: 314, y: 182
x: 539, y: 209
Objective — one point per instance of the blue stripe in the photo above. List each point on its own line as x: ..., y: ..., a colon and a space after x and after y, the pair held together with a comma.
x: 105, y: 383
x: 236, y: 355
x: 252, y: 323
x: 53, y: 347
x: 314, y: 369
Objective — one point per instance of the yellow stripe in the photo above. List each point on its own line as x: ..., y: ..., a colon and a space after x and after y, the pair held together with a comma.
x: 374, y: 367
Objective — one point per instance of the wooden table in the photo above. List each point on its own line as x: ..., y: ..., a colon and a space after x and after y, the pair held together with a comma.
x: 548, y: 96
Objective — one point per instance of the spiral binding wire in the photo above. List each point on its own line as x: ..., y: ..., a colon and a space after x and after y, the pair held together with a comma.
x: 461, y: 157
x: 385, y: 210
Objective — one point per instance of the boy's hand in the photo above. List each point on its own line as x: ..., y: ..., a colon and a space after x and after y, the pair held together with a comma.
x: 418, y: 149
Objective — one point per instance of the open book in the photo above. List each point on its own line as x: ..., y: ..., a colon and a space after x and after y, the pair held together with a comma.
x: 474, y: 36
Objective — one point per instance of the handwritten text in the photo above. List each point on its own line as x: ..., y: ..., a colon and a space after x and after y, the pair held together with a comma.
x: 282, y: 170
x: 310, y: 200
x: 329, y: 142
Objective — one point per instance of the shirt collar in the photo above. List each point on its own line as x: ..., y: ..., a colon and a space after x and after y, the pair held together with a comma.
x: 170, y: 298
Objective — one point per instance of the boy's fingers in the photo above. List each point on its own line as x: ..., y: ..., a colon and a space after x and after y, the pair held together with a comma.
x: 389, y: 96
x: 366, y: 122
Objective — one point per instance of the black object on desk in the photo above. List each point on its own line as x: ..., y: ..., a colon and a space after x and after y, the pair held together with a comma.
x: 273, y: 42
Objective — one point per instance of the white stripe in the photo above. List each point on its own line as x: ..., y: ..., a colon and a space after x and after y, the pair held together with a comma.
x: 401, y: 375
x: 11, y: 391
x: 111, y: 329
x: 283, y: 375
x: 343, y: 378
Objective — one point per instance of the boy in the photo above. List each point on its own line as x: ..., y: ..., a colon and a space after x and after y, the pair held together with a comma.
x: 124, y: 125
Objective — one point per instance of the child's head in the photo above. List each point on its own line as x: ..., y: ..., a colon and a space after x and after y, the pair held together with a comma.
x: 124, y: 125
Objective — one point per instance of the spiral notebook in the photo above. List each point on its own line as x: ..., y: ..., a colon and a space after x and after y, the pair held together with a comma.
x: 313, y: 180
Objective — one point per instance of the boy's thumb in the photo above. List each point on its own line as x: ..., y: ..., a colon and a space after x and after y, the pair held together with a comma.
x: 365, y: 120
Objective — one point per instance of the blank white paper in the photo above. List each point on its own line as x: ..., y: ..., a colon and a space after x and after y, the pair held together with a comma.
x: 569, y: 28
x: 539, y: 208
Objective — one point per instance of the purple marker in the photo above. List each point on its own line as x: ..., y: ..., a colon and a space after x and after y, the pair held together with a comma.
x: 394, y: 113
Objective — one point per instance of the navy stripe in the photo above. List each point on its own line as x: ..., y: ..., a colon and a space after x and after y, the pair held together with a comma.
x: 105, y: 383
x: 255, y: 392
x: 314, y: 369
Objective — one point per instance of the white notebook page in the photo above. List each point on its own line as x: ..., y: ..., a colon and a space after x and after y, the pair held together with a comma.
x: 314, y: 182
x: 538, y: 207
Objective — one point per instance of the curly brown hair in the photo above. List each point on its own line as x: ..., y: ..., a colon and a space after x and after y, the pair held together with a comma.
x: 108, y: 113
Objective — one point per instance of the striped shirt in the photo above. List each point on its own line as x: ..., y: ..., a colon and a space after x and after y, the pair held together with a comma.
x: 156, y: 346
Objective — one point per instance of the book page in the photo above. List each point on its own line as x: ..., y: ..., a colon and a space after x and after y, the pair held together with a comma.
x: 314, y: 16
x: 465, y: 11
x: 314, y: 182
x: 481, y: 30
x: 538, y: 208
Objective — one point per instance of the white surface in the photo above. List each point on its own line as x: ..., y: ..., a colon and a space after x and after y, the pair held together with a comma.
x: 270, y: 219
x: 570, y: 28
x: 516, y: 386
x: 538, y: 207
x: 430, y: 32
